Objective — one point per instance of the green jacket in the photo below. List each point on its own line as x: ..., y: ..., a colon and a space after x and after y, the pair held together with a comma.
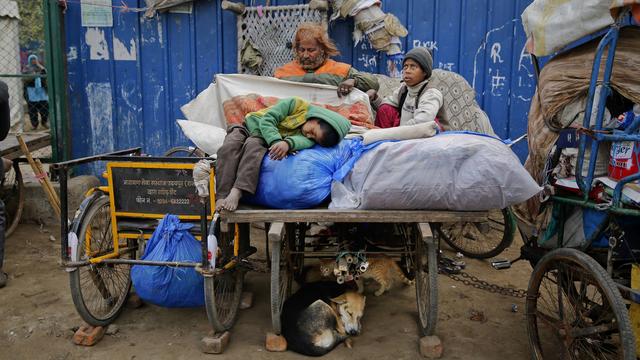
x: 284, y: 120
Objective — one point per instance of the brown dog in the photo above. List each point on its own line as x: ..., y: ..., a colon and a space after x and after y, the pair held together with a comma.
x: 320, y: 316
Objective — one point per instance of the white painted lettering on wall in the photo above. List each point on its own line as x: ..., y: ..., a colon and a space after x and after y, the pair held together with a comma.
x: 495, y: 53
x: 497, y: 82
x: 368, y: 60
x: 431, y: 45
x: 95, y: 40
x: 446, y: 66
x: 120, y: 51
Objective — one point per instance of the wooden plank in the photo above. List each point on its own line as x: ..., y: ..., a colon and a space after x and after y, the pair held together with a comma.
x: 351, y: 216
x: 10, y: 148
x: 276, y: 232
x: 425, y: 232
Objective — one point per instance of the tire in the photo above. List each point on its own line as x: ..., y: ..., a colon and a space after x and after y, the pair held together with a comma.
x: 281, y: 277
x: 12, y: 195
x: 426, y: 277
x: 481, y: 240
x: 570, y: 292
x: 99, y: 291
x: 224, y: 289
x: 185, y: 151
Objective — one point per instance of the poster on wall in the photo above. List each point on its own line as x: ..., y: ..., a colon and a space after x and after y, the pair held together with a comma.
x: 96, y: 13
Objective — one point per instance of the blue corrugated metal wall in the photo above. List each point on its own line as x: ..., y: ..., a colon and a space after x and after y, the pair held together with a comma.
x: 127, y: 82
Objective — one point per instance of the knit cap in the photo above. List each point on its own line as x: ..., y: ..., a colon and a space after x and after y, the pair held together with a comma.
x: 337, y: 121
x: 422, y: 56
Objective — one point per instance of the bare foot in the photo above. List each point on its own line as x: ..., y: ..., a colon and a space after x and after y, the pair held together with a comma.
x: 230, y: 203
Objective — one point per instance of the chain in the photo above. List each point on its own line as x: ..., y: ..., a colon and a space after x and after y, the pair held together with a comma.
x: 473, y: 281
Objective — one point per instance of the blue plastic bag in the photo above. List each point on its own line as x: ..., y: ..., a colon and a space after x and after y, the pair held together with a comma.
x: 300, y: 181
x: 170, y: 286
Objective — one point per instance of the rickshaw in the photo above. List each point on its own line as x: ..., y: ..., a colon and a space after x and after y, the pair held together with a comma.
x: 108, y: 232
x: 582, y: 302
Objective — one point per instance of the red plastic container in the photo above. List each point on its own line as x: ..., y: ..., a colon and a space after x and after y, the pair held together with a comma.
x: 623, y: 159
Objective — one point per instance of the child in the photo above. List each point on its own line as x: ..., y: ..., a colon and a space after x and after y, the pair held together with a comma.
x: 412, y: 103
x: 290, y: 125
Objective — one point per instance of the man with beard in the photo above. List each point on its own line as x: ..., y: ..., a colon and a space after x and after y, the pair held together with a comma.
x: 312, y: 64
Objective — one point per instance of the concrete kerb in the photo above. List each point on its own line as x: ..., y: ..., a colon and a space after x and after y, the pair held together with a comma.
x: 37, y: 207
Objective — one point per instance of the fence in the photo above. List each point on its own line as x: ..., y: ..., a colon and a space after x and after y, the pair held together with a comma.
x: 22, y: 66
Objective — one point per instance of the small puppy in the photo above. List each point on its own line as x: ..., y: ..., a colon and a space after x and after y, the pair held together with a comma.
x: 320, y: 316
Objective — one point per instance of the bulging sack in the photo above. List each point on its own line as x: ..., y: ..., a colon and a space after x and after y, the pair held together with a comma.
x: 450, y: 171
x: 170, y: 286
x: 302, y: 180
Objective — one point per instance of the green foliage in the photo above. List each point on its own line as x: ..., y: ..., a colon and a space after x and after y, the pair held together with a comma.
x: 31, y: 22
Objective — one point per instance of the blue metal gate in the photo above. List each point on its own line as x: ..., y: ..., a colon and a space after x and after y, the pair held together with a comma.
x: 127, y: 82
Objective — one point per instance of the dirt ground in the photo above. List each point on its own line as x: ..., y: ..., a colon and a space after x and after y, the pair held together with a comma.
x: 37, y: 316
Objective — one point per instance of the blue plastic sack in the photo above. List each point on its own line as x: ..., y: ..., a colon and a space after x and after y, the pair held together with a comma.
x: 170, y: 286
x: 300, y: 181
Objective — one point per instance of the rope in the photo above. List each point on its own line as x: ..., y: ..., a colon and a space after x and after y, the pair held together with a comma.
x: 123, y: 6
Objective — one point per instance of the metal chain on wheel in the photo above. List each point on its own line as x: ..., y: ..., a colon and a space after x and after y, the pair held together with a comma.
x: 456, y: 274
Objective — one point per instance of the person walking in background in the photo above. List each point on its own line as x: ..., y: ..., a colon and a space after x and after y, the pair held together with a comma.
x: 36, y: 93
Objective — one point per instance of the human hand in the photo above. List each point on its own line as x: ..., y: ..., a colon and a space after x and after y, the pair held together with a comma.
x: 279, y: 150
x: 345, y: 87
x: 373, y: 94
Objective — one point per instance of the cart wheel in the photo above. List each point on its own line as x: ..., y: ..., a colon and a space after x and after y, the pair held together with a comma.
x: 12, y: 195
x: 281, y: 271
x: 185, y: 151
x: 575, y: 311
x: 99, y: 291
x: 296, y: 235
x: 224, y: 290
x: 426, y: 280
x: 481, y: 240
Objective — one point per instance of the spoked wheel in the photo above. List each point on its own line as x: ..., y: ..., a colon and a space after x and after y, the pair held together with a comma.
x: 481, y: 240
x: 99, y: 291
x: 281, y: 274
x: 426, y: 276
x: 296, y: 235
x: 185, y: 151
x: 575, y: 311
x: 223, y: 290
x: 12, y: 195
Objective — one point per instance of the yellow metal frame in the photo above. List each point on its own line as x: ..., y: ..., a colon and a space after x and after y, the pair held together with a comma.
x: 114, y: 214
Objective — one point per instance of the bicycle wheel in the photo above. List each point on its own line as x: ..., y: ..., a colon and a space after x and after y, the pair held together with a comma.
x: 99, y: 291
x: 574, y: 310
x: 426, y: 276
x: 12, y: 195
x: 223, y: 290
x: 481, y: 240
x: 184, y: 151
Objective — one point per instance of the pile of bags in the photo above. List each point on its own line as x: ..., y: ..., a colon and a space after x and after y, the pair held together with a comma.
x: 451, y: 171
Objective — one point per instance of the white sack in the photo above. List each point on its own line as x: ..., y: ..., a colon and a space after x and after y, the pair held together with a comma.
x: 448, y: 172
x: 207, y: 107
x: 551, y: 25
x: 207, y: 137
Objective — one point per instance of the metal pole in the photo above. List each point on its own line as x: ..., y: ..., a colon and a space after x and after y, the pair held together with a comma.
x: 64, y: 230
x: 54, y: 41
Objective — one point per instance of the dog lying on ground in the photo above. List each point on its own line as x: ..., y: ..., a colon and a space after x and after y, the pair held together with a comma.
x: 320, y: 316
